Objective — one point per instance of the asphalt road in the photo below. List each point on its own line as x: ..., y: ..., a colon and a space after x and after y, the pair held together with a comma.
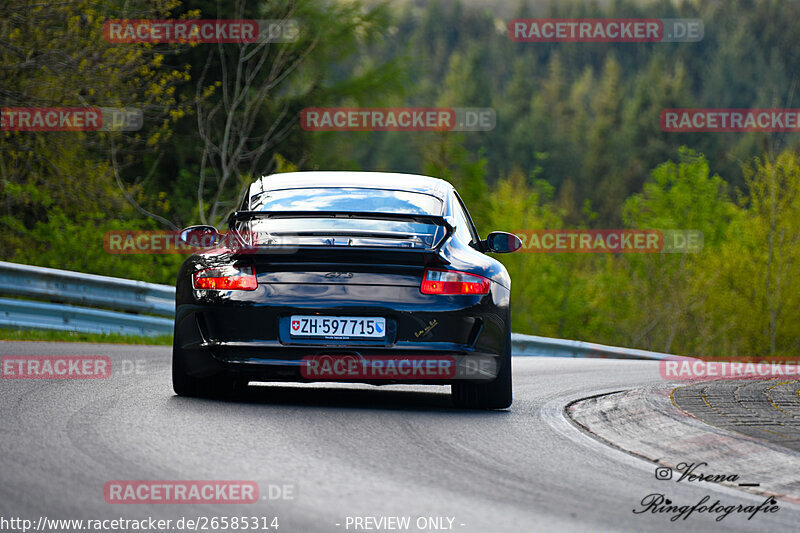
x: 345, y: 451
x: 765, y: 409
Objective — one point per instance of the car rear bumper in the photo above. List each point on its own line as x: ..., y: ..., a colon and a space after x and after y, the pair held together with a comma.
x: 259, y: 362
x: 275, y: 360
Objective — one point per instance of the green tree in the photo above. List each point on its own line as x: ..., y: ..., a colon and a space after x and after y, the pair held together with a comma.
x: 56, y: 55
x: 754, y: 291
x: 659, y: 291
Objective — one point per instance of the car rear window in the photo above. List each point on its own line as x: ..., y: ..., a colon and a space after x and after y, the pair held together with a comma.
x: 347, y: 199
x: 341, y: 232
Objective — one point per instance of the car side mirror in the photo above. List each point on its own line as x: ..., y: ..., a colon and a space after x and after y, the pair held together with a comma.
x: 201, y: 236
x: 501, y: 242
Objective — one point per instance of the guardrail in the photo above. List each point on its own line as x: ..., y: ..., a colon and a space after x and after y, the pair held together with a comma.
x: 549, y: 347
x: 136, y: 299
x: 63, y: 287
x: 40, y: 315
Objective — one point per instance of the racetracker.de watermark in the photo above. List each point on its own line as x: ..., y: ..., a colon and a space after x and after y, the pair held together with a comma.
x: 158, y: 242
x: 154, y: 242
x: 55, y: 367
x: 200, y: 31
x: 398, y: 367
x: 605, y: 30
x: 687, y: 368
x: 730, y: 120
x: 398, y: 119
x: 180, y: 492
x: 610, y: 241
x: 70, y: 119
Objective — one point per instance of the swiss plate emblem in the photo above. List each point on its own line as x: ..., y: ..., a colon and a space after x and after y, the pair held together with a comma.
x: 295, y: 325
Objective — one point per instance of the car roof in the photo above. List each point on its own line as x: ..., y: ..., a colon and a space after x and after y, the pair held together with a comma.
x: 362, y: 180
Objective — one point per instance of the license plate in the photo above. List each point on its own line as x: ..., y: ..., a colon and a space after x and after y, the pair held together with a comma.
x: 338, y: 327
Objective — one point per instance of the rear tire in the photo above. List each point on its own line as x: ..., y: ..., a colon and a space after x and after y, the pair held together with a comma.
x: 496, y: 394
x: 218, y: 386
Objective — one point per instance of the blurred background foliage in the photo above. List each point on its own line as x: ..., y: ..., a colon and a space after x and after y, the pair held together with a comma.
x: 577, y: 145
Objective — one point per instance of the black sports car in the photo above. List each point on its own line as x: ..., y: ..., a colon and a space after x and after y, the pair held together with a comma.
x: 346, y: 276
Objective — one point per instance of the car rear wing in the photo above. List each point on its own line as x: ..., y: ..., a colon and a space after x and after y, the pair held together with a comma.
x: 437, y: 220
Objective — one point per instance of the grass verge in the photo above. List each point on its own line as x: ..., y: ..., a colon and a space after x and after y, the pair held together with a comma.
x: 12, y: 334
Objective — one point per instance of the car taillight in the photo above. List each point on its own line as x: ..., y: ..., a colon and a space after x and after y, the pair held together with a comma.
x: 227, y: 278
x: 452, y: 282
